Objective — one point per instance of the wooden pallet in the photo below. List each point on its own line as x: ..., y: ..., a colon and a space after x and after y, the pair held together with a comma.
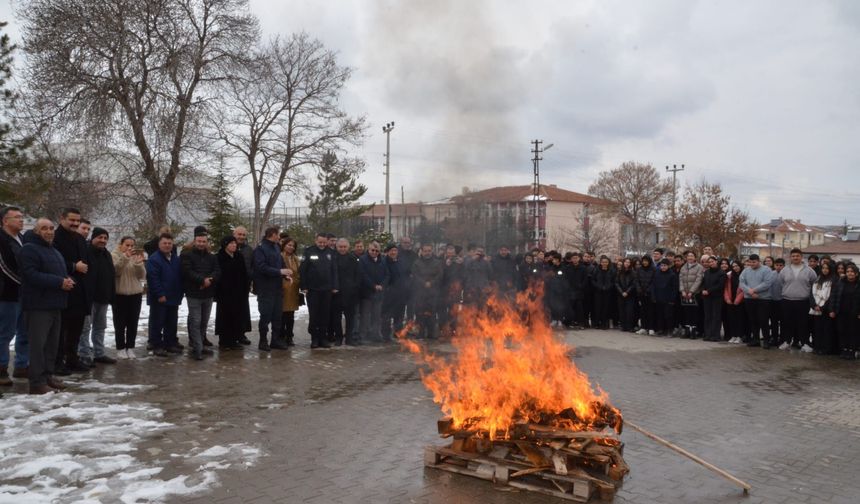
x: 577, y: 485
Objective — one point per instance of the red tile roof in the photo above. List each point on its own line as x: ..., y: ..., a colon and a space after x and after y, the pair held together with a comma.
x: 835, y: 247
x: 508, y: 194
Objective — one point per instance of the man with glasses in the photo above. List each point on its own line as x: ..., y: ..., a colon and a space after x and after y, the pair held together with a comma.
x: 374, y: 279
x: 11, y: 317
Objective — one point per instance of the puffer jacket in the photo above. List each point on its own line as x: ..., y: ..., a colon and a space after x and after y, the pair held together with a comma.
x: 690, y: 278
x: 43, y: 270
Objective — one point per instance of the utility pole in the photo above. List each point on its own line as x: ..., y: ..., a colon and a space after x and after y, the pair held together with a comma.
x: 674, y: 170
x: 387, y: 130
x: 537, y: 151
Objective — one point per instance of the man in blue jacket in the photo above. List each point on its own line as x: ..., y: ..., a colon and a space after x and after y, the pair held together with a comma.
x: 755, y: 282
x: 269, y: 272
x: 164, y: 295
x: 44, y: 293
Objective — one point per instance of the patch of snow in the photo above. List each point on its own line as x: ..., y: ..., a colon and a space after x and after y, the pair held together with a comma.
x: 81, y: 447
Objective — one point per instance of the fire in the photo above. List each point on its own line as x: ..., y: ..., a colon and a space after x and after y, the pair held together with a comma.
x: 510, y: 369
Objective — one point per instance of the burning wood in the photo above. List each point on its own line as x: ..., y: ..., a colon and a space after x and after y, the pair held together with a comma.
x: 518, y: 410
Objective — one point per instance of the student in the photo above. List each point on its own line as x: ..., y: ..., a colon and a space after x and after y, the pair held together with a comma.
x: 644, y: 280
x: 797, y: 280
x: 713, y: 285
x: 846, y: 309
x: 821, y: 304
x: 733, y: 298
x: 664, y: 292
x: 602, y: 283
x: 625, y: 288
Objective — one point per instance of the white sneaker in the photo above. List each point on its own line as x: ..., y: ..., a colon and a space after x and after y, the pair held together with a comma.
x: 785, y: 346
x: 121, y: 355
x: 806, y: 348
x: 735, y: 340
x: 651, y: 332
x: 129, y: 354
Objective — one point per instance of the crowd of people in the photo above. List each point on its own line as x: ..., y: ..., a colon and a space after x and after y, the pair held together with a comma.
x: 58, y: 283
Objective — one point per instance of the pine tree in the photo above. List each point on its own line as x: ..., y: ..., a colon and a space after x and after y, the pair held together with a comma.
x: 338, y: 195
x: 221, y: 212
x: 13, y: 162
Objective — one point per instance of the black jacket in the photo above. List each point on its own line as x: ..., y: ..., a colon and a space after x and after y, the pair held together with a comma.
x: 846, y: 298
x: 198, y: 265
x: 644, y: 279
x: 43, y: 270
x: 318, y: 270
x: 10, y: 276
x: 231, y: 293
x: 714, y: 281
x: 625, y: 282
x: 603, y: 280
x: 348, y: 277
x: 504, y: 272
x: 664, y: 289
x: 73, y: 247
x: 577, y: 277
x: 101, y: 275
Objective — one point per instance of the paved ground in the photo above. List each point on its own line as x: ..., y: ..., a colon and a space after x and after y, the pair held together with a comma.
x: 349, y: 425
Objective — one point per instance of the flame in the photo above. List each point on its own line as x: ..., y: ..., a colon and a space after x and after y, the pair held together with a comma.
x: 509, y: 368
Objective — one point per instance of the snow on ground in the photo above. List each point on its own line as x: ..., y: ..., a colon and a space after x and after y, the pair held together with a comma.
x: 110, y: 340
x: 83, y: 447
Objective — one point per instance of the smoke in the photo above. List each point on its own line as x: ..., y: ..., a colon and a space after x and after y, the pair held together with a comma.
x: 447, y: 63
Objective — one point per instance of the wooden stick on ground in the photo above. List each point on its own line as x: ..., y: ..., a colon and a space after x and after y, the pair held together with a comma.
x: 746, y: 486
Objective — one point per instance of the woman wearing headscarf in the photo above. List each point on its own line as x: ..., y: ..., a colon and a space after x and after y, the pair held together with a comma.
x: 231, y: 295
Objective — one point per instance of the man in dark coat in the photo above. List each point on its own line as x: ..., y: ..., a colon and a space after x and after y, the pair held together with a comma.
x: 504, y: 273
x: 476, y: 278
x: 101, y: 279
x: 344, y: 304
x: 451, y: 289
x: 44, y: 292
x: 374, y: 281
x: 407, y: 257
x: 269, y: 272
x: 577, y: 278
x: 426, y: 280
x: 11, y: 317
x: 231, y: 295
x: 247, y: 252
x: 164, y: 295
x: 394, y: 302
x: 73, y: 248
x: 200, y: 274
x: 319, y: 282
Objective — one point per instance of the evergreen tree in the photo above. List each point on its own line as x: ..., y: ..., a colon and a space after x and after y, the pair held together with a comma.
x: 222, y: 215
x: 338, y: 195
x: 13, y: 162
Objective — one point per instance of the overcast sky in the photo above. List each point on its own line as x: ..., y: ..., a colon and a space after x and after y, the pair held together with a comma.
x: 763, y: 97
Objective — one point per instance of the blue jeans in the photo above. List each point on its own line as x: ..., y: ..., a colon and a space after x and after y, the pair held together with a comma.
x: 198, y: 320
x: 12, y: 325
x: 94, y: 325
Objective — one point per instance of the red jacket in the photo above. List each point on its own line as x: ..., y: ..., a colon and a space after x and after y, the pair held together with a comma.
x: 727, y: 291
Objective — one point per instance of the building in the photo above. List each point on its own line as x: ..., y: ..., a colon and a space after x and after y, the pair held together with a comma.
x: 846, y: 249
x: 790, y: 233
x: 566, y: 220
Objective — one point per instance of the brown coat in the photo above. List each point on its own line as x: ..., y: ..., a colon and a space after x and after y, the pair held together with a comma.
x: 291, y: 290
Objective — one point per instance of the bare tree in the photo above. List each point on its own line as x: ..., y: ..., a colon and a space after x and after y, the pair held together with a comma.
x: 594, y: 229
x: 283, y: 114
x: 135, y: 73
x: 706, y: 217
x: 641, y: 195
